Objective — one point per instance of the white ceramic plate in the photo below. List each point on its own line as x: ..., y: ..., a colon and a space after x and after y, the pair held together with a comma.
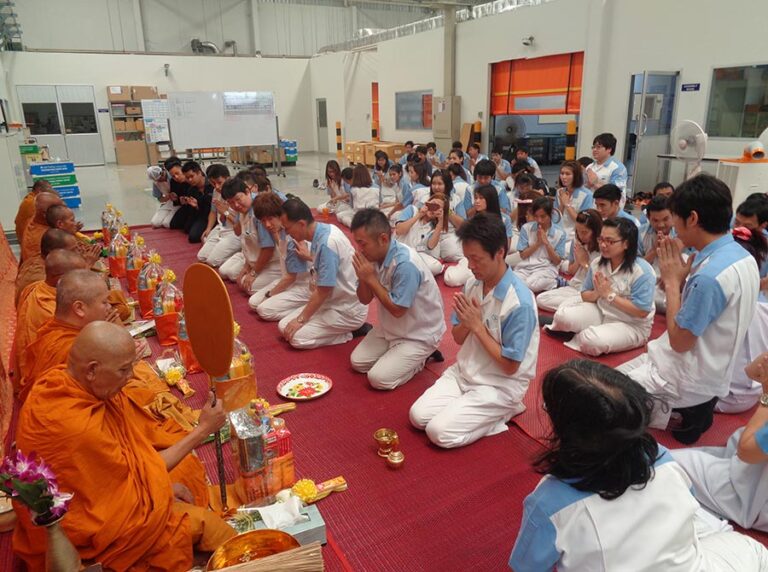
x: 304, y: 386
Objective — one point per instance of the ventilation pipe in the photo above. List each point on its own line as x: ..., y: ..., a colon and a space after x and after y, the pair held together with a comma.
x: 204, y: 47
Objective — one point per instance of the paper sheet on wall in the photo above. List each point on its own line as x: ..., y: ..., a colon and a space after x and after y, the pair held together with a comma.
x: 156, y: 114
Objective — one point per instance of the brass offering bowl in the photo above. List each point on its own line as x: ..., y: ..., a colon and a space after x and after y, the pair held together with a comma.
x: 385, y: 438
x: 251, y: 546
x: 395, y: 459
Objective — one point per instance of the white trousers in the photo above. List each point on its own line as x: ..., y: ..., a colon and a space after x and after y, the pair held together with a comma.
x: 553, y: 299
x: 327, y: 327
x: 162, y: 218
x: 594, y: 336
x: 726, y: 485
x: 231, y: 269
x: 389, y: 364
x: 733, y: 552
x: 453, y: 417
x: 744, y: 392
x: 277, y: 307
x: 450, y: 247
x: 220, y: 245
x: 644, y: 372
x: 538, y: 279
x: 457, y: 275
x: 434, y: 265
x: 345, y: 216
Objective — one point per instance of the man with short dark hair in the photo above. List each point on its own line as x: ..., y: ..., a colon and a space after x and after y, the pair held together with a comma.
x: 608, y: 203
x: 606, y: 168
x: 410, y: 308
x: 333, y: 315
x: 198, y: 199
x: 219, y: 236
x: 710, y: 302
x: 474, y: 156
x: 494, y: 321
x: 408, y: 151
x: 521, y: 154
x: 484, y: 173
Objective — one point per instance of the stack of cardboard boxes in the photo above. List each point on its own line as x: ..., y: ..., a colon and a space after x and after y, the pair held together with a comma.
x: 365, y: 151
x: 128, y: 124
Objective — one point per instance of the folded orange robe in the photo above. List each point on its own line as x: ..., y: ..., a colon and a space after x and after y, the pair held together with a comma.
x: 24, y: 215
x: 33, y: 235
x: 122, y: 514
x: 51, y: 349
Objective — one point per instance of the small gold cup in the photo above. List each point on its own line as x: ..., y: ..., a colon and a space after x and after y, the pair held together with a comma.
x: 395, y: 459
x: 385, y: 438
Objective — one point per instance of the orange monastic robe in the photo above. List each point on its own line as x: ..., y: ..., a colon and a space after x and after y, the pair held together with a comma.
x: 51, y: 349
x: 37, y: 305
x: 122, y: 513
x: 32, y: 266
x: 24, y: 215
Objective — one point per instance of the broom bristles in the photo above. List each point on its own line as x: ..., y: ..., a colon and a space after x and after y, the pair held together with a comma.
x: 307, y: 558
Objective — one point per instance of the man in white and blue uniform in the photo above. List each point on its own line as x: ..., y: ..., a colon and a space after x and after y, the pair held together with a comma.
x: 606, y: 169
x: 221, y: 242
x: 567, y: 529
x: 408, y: 150
x: 410, y: 308
x: 475, y: 156
x: 503, y: 167
x: 484, y: 172
x: 691, y: 364
x: 495, y: 322
x: 333, y: 314
x: 608, y: 203
x: 521, y: 154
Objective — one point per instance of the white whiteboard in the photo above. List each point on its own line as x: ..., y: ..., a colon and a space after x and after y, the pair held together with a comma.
x: 201, y: 119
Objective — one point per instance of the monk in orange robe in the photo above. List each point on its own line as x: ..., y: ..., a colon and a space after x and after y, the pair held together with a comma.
x: 37, y: 302
x: 82, y: 298
x: 30, y: 245
x: 79, y: 420
x: 27, y: 207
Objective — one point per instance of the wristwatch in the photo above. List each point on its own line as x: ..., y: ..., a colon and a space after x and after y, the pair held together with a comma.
x: 764, y: 400
x: 268, y: 294
x: 611, y: 297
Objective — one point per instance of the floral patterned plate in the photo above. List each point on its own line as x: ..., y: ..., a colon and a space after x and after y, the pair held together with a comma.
x: 304, y: 386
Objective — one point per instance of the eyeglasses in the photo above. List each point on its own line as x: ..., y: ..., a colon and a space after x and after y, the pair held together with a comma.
x: 610, y: 241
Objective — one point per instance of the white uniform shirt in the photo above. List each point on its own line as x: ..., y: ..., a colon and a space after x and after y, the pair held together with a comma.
x: 540, y: 259
x: 637, y: 284
x: 253, y: 237
x: 365, y: 197
x: 646, y: 529
x: 418, y: 235
x: 718, y: 303
x: 612, y: 171
x: 510, y: 315
x: 332, y: 254
x: 581, y: 273
x: 581, y: 200
x: 410, y: 285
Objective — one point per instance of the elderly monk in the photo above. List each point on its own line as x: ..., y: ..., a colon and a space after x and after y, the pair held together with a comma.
x: 79, y: 419
x: 62, y: 217
x: 33, y: 269
x: 82, y: 298
x: 27, y: 207
x: 37, y: 302
x: 30, y: 244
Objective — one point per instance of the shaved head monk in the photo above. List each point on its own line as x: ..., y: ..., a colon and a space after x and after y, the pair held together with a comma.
x: 62, y: 217
x: 80, y: 421
x: 32, y: 268
x: 30, y: 244
x: 82, y: 298
x: 37, y: 302
x: 27, y: 207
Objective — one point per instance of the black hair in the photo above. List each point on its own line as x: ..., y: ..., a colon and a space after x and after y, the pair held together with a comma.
x: 497, y: 150
x: 396, y: 167
x: 491, y: 196
x: 191, y: 166
x: 346, y: 173
x: 485, y: 168
x: 474, y: 146
x: 216, y: 171
x: 608, y: 192
x: 432, y: 145
x: 594, y: 222
x: 709, y: 197
x: 585, y: 161
x: 421, y: 149
x: 234, y: 186
x: 757, y: 207
x: 524, y: 206
x: 171, y: 162
x: 258, y: 170
x: 607, y: 140
x: 380, y: 155
x: 296, y: 210
x: 757, y: 245
x: 247, y: 176
x: 334, y: 166
x: 421, y: 171
x: 488, y: 230
x: 447, y: 181
x: 458, y: 152
x: 657, y: 204
x: 578, y: 176
x: 627, y: 232
x: 522, y: 149
x: 374, y: 221
x: 458, y: 170
x: 518, y: 166
x: 524, y: 179
x: 409, y: 143
x: 457, y: 146
x: 542, y: 204
x: 600, y: 441
x: 662, y: 185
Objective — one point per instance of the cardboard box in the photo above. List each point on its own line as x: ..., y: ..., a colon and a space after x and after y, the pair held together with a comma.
x: 133, y: 110
x: 154, y: 153
x: 138, y: 125
x: 131, y: 152
x: 119, y: 93
x: 139, y: 92
x: 393, y: 150
x: 356, y: 147
x: 370, y: 154
x: 359, y: 158
x: 130, y: 124
x: 119, y: 125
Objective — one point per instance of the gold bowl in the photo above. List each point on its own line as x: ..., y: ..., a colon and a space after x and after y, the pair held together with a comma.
x: 251, y: 546
x: 395, y: 459
x: 385, y: 439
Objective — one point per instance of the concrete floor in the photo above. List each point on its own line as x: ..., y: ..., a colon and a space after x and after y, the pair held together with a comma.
x: 129, y: 190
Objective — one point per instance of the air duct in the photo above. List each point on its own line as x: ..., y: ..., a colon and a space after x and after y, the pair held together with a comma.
x: 204, y: 47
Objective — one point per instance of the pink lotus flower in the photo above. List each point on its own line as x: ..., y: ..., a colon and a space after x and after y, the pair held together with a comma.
x: 30, y: 481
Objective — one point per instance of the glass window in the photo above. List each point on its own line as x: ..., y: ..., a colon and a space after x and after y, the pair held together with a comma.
x: 413, y: 110
x: 78, y: 118
x: 41, y: 118
x: 738, y: 104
